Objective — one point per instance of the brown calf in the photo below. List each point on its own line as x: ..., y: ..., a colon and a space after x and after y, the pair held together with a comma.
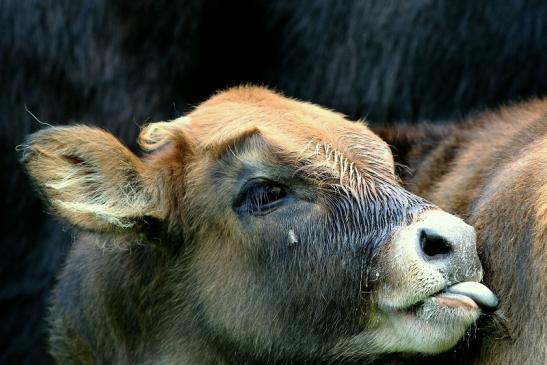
x: 492, y: 172
x: 259, y: 230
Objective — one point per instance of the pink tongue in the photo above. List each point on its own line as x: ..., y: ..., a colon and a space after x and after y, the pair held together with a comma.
x: 476, y: 291
x: 455, y: 300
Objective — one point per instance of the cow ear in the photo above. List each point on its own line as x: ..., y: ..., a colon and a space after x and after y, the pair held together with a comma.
x: 90, y: 179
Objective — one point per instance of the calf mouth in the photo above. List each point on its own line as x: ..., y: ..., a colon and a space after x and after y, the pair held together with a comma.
x: 427, y: 320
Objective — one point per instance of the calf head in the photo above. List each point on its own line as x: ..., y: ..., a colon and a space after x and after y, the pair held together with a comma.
x: 290, y: 235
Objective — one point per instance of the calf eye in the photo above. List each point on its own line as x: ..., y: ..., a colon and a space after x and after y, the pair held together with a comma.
x: 260, y: 197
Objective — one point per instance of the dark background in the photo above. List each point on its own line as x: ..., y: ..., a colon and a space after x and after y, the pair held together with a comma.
x: 121, y: 63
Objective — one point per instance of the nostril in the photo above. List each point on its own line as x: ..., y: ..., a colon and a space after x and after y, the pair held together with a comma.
x: 433, y: 245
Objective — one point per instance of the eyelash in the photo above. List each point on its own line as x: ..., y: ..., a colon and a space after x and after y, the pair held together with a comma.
x: 260, y: 197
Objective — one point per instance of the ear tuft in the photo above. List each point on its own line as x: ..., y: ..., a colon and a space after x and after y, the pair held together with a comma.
x: 155, y: 135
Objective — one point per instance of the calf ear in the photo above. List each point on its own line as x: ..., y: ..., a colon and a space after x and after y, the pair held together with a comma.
x: 90, y: 179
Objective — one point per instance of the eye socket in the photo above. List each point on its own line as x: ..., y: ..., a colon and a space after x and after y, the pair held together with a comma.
x: 259, y: 197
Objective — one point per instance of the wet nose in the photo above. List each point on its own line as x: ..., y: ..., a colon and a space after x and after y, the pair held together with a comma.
x: 447, y: 242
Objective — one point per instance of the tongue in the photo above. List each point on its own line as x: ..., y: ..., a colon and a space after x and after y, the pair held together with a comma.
x: 476, y: 291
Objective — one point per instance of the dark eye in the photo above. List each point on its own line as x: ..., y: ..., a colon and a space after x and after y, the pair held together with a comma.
x: 260, y: 197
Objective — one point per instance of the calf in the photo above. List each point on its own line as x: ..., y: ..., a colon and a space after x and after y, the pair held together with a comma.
x: 492, y: 171
x: 258, y: 230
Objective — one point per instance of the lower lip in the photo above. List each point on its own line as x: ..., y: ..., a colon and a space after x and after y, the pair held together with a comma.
x: 455, y: 301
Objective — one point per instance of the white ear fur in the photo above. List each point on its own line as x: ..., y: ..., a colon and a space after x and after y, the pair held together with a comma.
x: 90, y: 179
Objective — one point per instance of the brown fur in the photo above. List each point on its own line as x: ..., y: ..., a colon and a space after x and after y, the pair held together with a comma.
x: 492, y: 171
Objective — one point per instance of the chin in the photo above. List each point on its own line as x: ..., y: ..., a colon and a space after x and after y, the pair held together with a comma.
x: 430, y: 328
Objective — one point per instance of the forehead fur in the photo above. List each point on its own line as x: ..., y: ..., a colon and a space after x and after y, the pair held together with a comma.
x: 297, y: 129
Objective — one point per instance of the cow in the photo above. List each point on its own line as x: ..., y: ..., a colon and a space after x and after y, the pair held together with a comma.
x: 256, y: 230
x: 491, y: 170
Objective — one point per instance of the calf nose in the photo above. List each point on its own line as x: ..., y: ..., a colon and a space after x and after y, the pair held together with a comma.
x: 445, y: 241
x: 433, y: 245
